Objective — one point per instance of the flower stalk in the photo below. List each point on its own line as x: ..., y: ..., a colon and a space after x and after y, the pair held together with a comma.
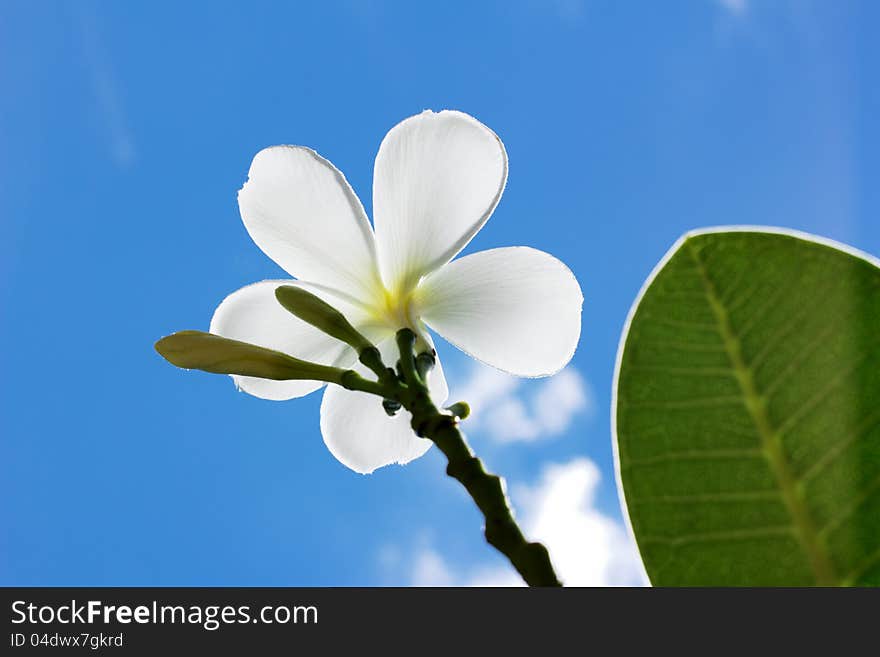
x: 404, y: 387
x: 530, y: 559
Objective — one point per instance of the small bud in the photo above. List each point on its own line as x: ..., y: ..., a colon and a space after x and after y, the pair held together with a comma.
x: 406, y: 337
x: 460, y: 410
x: 425, y: 363
x: 391, y: 407
x: 372, y: 359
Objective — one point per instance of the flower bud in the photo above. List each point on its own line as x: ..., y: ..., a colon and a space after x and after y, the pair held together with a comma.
x: 197, y: 350
x: 321, y: 315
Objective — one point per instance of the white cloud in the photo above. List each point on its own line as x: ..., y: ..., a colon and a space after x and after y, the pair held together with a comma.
x: 587, y: 547
x: 430, y: 569
x: 510, y: 409
x: 509, y: 421
x: 484, y: 387
x: 560, y: 399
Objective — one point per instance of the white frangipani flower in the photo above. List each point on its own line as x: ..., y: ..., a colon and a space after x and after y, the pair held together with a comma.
x: 437, y: 178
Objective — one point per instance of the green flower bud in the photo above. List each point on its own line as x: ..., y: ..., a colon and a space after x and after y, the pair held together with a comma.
x: 197, y: 350
x: 321, y: 315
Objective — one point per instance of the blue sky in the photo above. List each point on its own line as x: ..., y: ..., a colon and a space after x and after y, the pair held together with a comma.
x: 126, y: 130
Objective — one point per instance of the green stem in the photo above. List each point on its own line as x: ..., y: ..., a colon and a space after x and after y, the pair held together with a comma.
x: 351, y: 380
x: 531, y: 560
x: 406, y: 341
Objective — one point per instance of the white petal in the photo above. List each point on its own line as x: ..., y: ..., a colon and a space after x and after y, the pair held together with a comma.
x: 253, y: 314
x: 517, y: 309
x: 438, y: 177
x: 357, y: 431
x: 302, y: 213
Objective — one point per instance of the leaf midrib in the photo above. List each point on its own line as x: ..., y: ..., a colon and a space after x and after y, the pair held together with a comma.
x: 771, y: 443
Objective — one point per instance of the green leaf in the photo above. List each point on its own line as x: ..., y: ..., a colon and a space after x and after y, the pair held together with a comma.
x: 748, y: 413
x: 321, y: 315
x: 212, y: 353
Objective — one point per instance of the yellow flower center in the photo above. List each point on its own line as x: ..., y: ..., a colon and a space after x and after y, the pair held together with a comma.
x: 398, y: 310
x: 394, y: 310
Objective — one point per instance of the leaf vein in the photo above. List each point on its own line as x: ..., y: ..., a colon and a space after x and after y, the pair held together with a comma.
x: 802, y: 521
x: 698, y: 455
x: 722, y: 536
